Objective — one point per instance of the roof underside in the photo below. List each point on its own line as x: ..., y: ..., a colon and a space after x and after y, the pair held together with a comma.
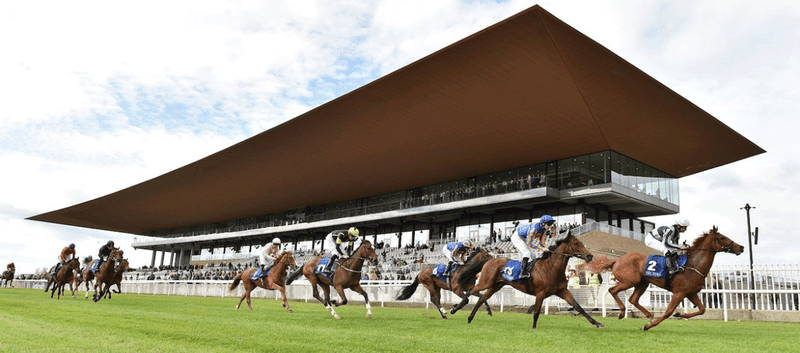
x: 475, y: 107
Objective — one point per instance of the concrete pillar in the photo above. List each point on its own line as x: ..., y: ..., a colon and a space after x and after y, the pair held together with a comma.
x: 172, y: 257
x: 162, y: 257
x: 153, y: 259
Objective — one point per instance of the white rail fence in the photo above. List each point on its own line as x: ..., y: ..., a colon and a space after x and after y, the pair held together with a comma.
x: 774, y: 288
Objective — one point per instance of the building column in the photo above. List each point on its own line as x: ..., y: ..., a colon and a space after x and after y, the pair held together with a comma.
x: 153, y: 259
x: 162, y: 258
x: 172, y: 257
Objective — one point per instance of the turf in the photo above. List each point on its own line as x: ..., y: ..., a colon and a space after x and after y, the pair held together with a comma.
x: 32, y: 322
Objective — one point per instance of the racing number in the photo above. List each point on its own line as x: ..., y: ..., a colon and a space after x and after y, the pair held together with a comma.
x: 651, y: 265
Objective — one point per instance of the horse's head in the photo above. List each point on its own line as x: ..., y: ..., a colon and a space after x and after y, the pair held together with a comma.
x: 288, y: 259
x: 121, y: 265
x: 570, y: 245
x: 367, y: 251
x: 116, y: 253
x: 718, y: 242
x: 74, y: 264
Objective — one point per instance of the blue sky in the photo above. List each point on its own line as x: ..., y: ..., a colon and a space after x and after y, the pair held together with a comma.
x: 100, y: 96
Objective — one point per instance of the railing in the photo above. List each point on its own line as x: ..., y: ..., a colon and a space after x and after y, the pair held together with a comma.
x: 776, y: 290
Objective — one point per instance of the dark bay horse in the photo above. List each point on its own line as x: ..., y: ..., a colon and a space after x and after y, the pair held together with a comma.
x: 106, y: 274
x: 63, y: 277
x: 87, y: 276
x: 347, y: 274
x: 8, y: 276
x: 547, y: 277
x: 434, y: 285
x: 629, y: 270
x: 117, y: 279
x: 276, y: 280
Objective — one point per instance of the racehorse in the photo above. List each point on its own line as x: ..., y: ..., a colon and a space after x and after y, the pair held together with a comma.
x: 87, y: 274
x: 117, y: 279
x: 629, y: 270
x: 106, y: 273
x: 546, y: 278
x: 64, y: 276
x: 346, y: 275
x: 8, y: 276
x: 434, y: 285
x: 276, y: 280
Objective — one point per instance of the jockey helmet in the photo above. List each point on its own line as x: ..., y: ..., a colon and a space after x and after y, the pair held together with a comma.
x: 353, y: 231
x: 72, y: 246
x: 110, y: 243
x: 683, y: 222
x: 276, y: 241
x: 547, y: 219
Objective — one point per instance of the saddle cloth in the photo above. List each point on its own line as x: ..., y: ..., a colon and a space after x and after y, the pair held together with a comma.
x: 438, y: 271
x: 511, y: 270
x: 319, y: 270
x: 656, y: 265
x: 257, y: 274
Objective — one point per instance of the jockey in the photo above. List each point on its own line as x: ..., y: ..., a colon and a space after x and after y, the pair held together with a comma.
x: 67, y: 254
x: 665, y: 239
x: 529, y: 240
x: 9, y: 268
x: 453, y: 249
x: 335, y: 240
x: 268, y: 254
x: 105, y: 250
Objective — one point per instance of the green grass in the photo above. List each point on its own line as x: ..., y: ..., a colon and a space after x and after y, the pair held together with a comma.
x: 30, y: 321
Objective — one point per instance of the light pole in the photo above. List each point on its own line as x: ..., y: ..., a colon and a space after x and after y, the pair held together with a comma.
x: 747, y: 208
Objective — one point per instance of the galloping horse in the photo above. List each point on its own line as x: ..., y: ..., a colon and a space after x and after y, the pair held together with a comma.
x: 8, y: 276
x: 88, y: 276
x: 434, y: 285
x: 117, y: 279
x: 63, y: 277
x: 346, y: 275
x: 629, y: 272
x: 546, y: 278
x: 106, y: 273
x: 276, y: 280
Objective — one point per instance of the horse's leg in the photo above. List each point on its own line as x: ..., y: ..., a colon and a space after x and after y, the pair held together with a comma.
x: 484, y: 282
x: 340, y: 290
x: 701, y: 309
x: 357, y: 288
x: 676, y: 299
x: 246, y: 292
x: 536, y: 309
x: 614, y: 291
x: 567, y: 295
x: 486, y: 295
x: 327, y: 290
x: 282, y: 289
x: 639, y: 289
x: 249, y: 290
x: 436, y: 297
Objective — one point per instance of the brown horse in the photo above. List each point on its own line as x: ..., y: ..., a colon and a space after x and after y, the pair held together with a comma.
x: 629, y: 270
x: 106, y: 273
x: 346, y: 275
x: 64, y: 276
x: 117, y: 279
x: 434, y: 285
x: 8, y: 276
x: 276, y: 280
x: 87, y: 276
x: 546, y: 278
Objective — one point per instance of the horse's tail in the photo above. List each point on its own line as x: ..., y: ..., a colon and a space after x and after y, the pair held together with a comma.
x: 467, y: 277
x: 600, y: 264
x: 294, y: 275
x: 235, y: 283
x: 407, y: 291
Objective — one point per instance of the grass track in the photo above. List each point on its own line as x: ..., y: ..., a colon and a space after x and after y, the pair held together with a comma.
x: 32, y: 322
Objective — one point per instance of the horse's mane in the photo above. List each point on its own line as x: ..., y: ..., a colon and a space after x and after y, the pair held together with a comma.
x: 472, y: 254
x: 699, y: 240
x: 282, y: 255
x: 556, y: 240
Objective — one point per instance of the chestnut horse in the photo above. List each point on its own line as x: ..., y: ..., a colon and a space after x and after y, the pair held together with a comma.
x: 117, y: 279
x: 87, y: 274
x: 64, y: 276
x: 106, y: 274
x: 8, y: 276
x: 434, y: 285
x: 347, y: 274
x: 276, y: 280
x: 546, y: 278
x: 629, y: 270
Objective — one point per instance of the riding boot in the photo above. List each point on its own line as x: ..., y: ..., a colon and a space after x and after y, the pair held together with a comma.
x: 678, y: 268
x: 446, y: 273
x: 263, y: 271
x: 330, y: 263
x: 670, y: 262
x: 523, y: 268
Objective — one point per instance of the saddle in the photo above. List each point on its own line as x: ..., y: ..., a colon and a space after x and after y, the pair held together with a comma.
x: 438, y: 271
x: 257, y: 274
x: 323, y: 263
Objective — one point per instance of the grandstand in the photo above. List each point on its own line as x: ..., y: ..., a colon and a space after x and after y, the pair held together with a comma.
x: 443, y: 149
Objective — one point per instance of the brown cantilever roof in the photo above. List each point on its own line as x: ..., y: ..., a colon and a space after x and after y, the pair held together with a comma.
x: 475, y: 107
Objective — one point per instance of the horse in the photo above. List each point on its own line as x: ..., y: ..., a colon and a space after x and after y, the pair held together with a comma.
x: 629, y: 270
x: 434, y: 285
x: 106, y: 274
x: 117, y: 279
x: 87, y: 274
x: 547, y: 277
x: 276, y: 280
x: 346, y: 275
x: 64, y: 276
x: 8, y: 276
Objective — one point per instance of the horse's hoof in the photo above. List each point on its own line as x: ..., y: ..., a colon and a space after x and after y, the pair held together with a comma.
x: 645, y: 328
x: 599, y: 325
x: 290, y: 311
x: 490, y: 314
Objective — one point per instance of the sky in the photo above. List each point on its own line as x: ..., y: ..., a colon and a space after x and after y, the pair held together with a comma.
x: 99, y: 96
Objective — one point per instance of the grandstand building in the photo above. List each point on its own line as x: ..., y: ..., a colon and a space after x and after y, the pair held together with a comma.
x: 526, y: 117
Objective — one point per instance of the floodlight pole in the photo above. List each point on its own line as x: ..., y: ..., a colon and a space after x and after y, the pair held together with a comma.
x: 747, y: 208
